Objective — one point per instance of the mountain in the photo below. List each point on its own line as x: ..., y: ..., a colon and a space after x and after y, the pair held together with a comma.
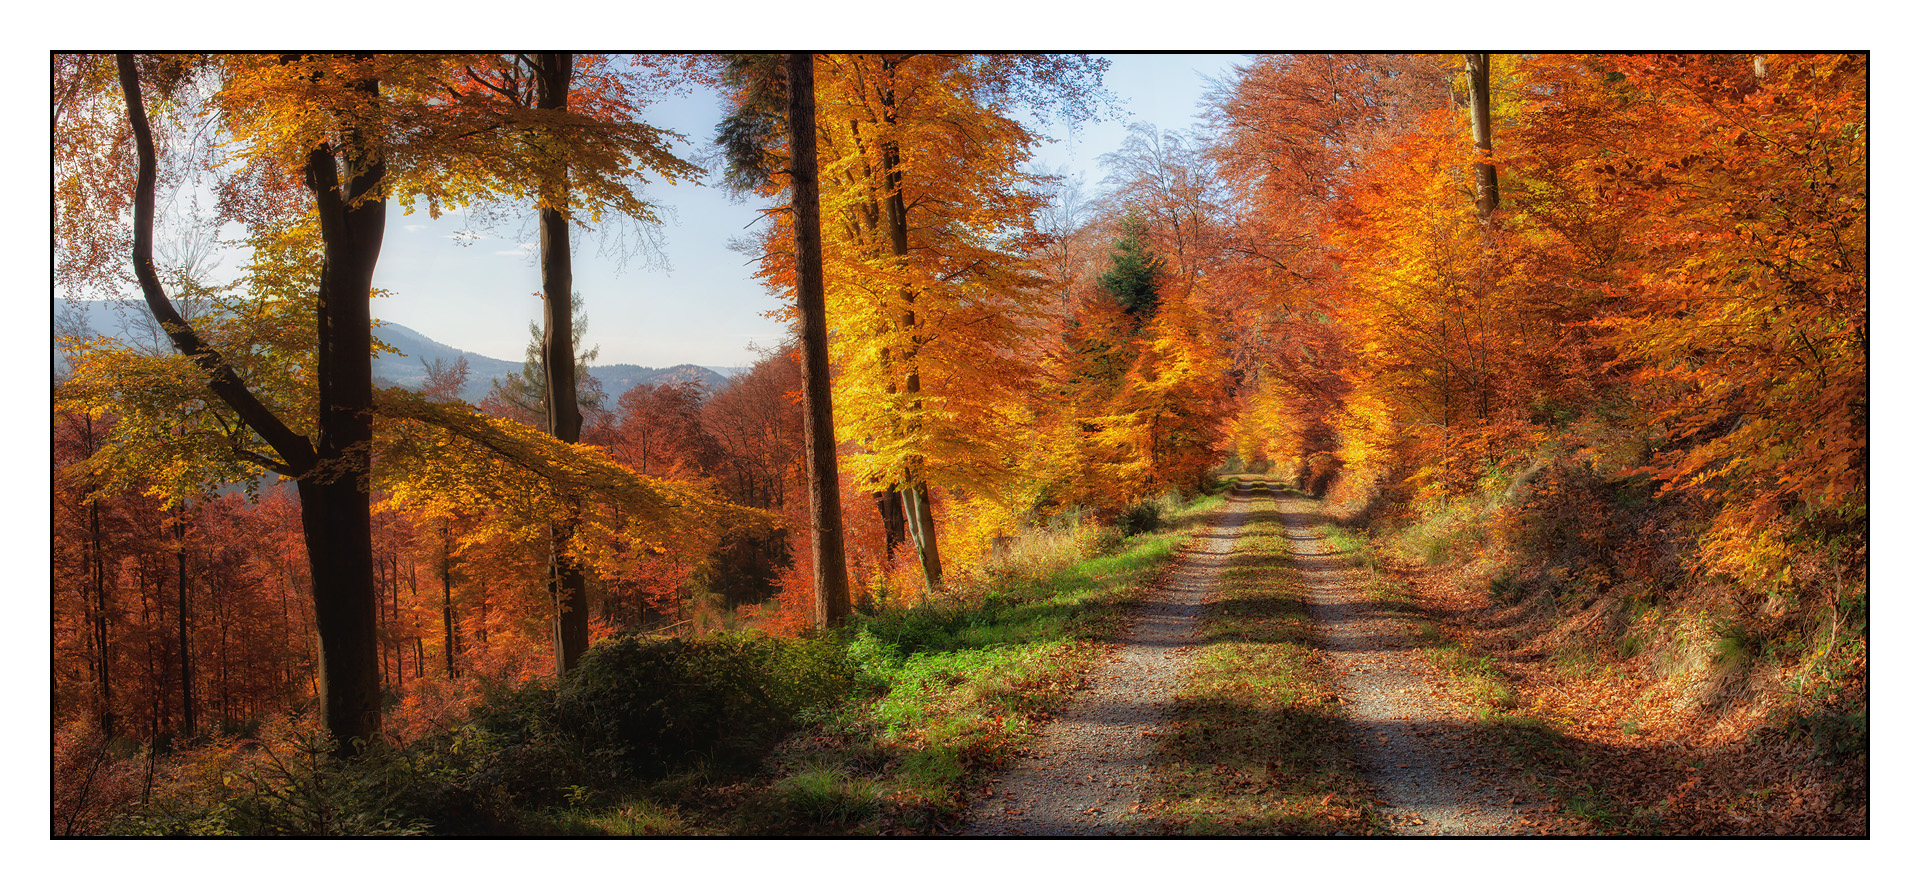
x: 420, y: 350
x: 130, y: 321
x: 409, y: 369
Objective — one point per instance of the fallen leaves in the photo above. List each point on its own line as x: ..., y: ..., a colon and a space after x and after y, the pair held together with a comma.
x: 1680, y: 772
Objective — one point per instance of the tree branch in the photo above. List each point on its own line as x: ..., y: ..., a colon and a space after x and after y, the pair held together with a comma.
x: 296, y: 452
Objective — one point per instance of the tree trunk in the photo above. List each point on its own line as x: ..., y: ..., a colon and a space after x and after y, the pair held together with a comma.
x: 913, y: 490
x: 893, y: 517
x: 339, y: 556
x: 566, y: 578
x: 185, y: 630
x: 832, y: 603
x: 446, y: 600
x: 98, y: 572
x: 1486, y: 197
x: 338, y: 524
x: 332, y: 469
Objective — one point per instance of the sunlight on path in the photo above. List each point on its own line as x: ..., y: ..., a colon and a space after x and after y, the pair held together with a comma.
x: 1089, y: 770
x: 1410, y: 738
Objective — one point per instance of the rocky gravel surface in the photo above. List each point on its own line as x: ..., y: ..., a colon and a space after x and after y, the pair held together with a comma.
x: 1090, y: 770
x: 1412, y: 740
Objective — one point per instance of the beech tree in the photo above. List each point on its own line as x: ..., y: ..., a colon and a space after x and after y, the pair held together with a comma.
x: 342, y: 170
x: 823, y: 473
x: 1486, y: 192
x: 774, y: 101
x: 354, y: 132
x: 932, y: 280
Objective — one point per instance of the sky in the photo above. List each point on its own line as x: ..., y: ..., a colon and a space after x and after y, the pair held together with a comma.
x: 702, y: 306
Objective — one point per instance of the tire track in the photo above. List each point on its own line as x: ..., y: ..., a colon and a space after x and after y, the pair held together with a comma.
x: 1413, y: 743
x: 1090, y: 770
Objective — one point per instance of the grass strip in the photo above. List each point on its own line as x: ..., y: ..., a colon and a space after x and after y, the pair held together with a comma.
x: 1258, y: 745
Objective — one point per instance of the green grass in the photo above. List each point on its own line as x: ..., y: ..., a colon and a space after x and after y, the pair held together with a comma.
x: 953, y: 692
x: 1258, y: 745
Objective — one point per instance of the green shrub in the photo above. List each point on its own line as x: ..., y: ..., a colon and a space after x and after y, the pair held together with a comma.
x: 1140, y: 518
x: 1734, y: 645
x: 724, y: 699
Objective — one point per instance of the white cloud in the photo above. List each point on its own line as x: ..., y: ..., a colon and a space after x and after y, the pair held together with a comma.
x: 414, y: 227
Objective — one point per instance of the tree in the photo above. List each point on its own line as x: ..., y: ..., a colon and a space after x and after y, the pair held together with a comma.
x: 833, y: 603
x: 934, y: 281
x: 522, y: 394
x: 659, y: 432
x: 576, y: 157
x: 1716, y: 213
x: 353, y: 131
x: 1295, y: 141
x: 331, y: 465
x: 1486, y: 191
x: 774, y: 100
x: 1145, y: 378
x: 1133, y: 275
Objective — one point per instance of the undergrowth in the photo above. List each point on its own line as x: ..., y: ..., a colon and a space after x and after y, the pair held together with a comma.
x: 890, y: 725
x: 1596, y: 625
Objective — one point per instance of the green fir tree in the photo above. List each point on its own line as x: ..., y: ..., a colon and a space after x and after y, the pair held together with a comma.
x: 1133, y: 277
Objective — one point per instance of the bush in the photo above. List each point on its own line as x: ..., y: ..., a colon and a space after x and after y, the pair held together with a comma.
x: 308, y: 792
x: 1140, y: 518
x: 657, y: 704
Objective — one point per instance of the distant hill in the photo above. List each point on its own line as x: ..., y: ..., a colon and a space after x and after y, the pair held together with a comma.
x: 420, y: 350
x: 409, y: 370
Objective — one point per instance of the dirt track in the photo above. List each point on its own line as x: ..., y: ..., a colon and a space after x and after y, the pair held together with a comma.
x: 1411, y: 739
x: 1092, y: 767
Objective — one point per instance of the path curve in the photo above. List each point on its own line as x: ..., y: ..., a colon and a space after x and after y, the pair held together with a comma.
x: 1412, y: 741
x: 1090, y: 769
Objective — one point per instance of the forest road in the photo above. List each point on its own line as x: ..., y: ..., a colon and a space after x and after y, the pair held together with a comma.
x: 1091, y: 768
x: 1413, y: 743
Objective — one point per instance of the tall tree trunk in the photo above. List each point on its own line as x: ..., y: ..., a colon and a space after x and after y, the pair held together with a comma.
x: 913, y: 489
x: 381, y: 626
x: 338, y: 554
x: 184, y: 620
x: 335, y: 508
x: 97, y: 570
x: 832, y: 603
x: 446, y: 600
x: 331, y: 470
x: 1486, y: 196
x: 396, y: 640
x: 567, y: 579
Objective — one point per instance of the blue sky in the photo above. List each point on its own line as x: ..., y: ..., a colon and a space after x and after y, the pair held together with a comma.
x: 705, y: 308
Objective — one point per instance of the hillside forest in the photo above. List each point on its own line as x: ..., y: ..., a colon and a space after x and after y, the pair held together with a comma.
x: 1570, y: 349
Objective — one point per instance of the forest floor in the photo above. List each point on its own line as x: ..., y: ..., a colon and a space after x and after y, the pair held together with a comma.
x: 1626, y: 745
x: 1320, y: 716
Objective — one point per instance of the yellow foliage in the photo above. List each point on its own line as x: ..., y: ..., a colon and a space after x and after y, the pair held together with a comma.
x: 511, y: 480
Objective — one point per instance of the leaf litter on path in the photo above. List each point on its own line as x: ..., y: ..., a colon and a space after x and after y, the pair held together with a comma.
x: 1407, y: 732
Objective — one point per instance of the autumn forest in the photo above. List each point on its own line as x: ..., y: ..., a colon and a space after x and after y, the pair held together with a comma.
x: 1555, y: 364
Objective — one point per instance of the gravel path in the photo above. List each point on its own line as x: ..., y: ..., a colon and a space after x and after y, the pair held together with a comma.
x: 1089, y: 771
x: 1411, y: 740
